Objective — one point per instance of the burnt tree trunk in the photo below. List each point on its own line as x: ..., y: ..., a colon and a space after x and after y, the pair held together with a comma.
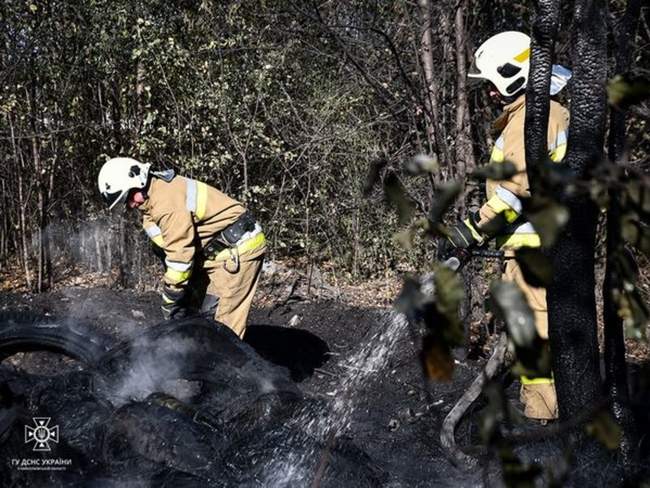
x: 537, y: 92
x: 615, y: 367
x: 571, y: 295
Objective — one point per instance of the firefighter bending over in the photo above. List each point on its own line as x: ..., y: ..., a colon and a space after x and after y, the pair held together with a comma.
x: 201, y: 231
x: 504, y: 60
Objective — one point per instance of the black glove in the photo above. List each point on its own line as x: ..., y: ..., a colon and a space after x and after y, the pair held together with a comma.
x: 465, y: 234
x: 173, y: 306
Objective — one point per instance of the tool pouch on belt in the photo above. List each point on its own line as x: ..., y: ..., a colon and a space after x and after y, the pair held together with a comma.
x: 229, y: 236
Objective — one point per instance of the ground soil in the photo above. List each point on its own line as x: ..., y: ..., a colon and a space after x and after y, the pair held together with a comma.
x: 310, y: 326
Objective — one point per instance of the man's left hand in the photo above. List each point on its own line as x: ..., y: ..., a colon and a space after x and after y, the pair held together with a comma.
x: 464, y: 234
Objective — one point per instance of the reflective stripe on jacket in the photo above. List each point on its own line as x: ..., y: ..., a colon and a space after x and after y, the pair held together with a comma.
x: 179, y: 215
x: 504, y: 197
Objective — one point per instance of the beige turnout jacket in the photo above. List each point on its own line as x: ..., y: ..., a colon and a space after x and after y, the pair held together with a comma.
x: 182, y: 214
x: 504, y: 197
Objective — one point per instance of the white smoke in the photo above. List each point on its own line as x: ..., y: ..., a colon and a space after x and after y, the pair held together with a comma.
x: 154, y: 367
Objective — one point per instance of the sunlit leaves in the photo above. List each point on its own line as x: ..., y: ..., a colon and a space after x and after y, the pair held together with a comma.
x: 625, y: 91
x: 511, y: 304
x: 604, y: 428
x: 496, y: 171
x: 535, y: 266
x: 396, y: 195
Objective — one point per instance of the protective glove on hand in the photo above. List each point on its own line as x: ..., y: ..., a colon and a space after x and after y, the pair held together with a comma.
x: 173, y: 307
x: 465, y: 234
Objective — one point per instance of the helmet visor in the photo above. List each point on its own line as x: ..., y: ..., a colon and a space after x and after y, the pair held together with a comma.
x: 114, y: 198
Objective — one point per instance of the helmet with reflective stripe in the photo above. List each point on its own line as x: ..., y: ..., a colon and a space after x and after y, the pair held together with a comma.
x: 504, y: 59
x: 118, y: 176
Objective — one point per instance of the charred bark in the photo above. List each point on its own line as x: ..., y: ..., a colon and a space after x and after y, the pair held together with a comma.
x: 571, y: 295
x: 537, y: 92
x: 614, y: 341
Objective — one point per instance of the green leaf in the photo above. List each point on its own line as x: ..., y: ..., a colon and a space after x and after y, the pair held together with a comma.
x: 422, y: 163
x: 516, y: 473
x: 374, y: 172
x: 637, y: 195
x: 547, y: 216
x: 411, y: 301
x: 449, y: 294
x: 405, y: 238
x: 496, y: 171
x: 444, y: 197
x: 623, y: 91
x: 636, y: 233
x: 439, y: 312
x: 535, y: 266
x: 604, y: 428
x: 511, y: 304
x: 396, y: 194
x: 632, y: 310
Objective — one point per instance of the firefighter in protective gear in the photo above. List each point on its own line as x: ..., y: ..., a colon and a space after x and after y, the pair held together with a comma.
x: 504, y: 61
x: 201, y: 231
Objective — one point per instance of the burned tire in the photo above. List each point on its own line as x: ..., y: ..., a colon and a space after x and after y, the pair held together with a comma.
x: 21, y: 332
x: 197, y: 350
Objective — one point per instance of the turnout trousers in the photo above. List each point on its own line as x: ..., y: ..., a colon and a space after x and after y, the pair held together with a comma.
x: 537, y: 394
x: 232, y: 284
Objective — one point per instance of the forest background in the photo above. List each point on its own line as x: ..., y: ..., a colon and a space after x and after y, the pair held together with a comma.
x: 286, y: 106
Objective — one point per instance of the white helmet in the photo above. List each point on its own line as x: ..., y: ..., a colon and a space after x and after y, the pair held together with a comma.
x: 120, y: 175
x: 504, y: 59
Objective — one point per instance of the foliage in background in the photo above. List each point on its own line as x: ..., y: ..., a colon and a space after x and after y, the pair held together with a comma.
x: 281, y: 104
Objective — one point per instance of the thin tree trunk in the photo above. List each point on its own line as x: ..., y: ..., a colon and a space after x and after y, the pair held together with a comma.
x: 426, y: 59
x: 465, y: 162
x: 21, y: 205
x: 614, y: 341
x: 464, y: 152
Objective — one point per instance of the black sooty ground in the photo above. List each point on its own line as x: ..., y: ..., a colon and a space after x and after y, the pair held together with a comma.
x: 318, y: 394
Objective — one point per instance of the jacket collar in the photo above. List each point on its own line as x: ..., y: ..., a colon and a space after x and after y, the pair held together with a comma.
x: 146, y: 205
x: 516, y: 105
x: 508, y: 111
